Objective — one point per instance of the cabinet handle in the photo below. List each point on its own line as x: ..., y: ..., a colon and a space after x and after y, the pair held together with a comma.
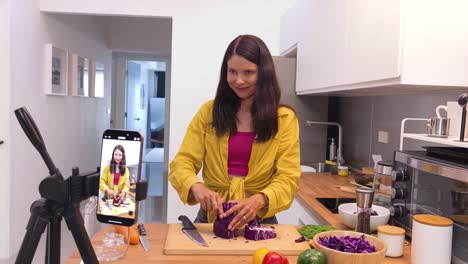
x: 1, y: 142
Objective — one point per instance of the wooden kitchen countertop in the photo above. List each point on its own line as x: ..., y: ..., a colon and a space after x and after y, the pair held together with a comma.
x: 312, y: 185
x: 323, y: 185
x: 157, y: 237
x: 326, y: 185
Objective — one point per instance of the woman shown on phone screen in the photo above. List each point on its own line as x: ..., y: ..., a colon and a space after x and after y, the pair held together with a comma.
x: 115, y: 179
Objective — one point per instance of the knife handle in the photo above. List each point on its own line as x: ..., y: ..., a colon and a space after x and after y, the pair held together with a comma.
x: 142, y: 230
x: 186, y: 222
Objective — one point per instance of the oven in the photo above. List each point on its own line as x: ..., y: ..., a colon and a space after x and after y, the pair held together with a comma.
x: 430, y: 182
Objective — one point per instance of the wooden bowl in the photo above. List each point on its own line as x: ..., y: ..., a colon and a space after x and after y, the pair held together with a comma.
x: 339, y: 257
x: 363, y: 179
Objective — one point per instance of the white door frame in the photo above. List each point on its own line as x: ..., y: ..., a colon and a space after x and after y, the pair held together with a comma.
x: 119, y: 82
x: 118, y: 103
x: 135, y: 118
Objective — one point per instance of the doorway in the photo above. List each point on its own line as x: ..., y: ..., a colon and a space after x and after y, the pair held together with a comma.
x: 140, y: 103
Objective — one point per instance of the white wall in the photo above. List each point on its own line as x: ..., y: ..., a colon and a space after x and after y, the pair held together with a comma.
x: 151, y: 34
x: 5, y: 126
x: 70, y: 126
x: 201, y: 31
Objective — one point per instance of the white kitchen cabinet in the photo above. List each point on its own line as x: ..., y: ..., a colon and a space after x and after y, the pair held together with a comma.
x: 289, y: 29
x: 379, y: 47
x: 296, y: 215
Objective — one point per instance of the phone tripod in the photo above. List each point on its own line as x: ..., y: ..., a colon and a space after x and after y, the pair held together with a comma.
x: 60, y: 199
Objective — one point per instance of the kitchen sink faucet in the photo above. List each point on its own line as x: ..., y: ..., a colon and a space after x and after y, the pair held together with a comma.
x: 339, y: 155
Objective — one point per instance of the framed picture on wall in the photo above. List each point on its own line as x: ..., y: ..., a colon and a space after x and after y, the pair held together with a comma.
x: 96, y: 79
x: 99, y: 80
x: 56, y: 70
x: 78, y: 75
x: 82, y: 76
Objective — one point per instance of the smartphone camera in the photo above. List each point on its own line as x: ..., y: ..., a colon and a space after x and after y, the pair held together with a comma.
x: 120, y: 170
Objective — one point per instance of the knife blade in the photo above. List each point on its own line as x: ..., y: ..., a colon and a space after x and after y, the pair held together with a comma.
x: 107, y: 204
x: 191, y: 231
x: 143, y: 238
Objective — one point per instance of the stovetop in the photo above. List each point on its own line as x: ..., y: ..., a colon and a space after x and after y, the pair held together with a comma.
x: 332, y: 203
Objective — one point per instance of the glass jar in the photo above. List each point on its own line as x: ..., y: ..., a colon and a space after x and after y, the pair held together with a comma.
x: 343, y: 171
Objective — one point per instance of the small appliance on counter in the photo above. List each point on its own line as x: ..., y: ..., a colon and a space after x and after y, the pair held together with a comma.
x: 425, y: 182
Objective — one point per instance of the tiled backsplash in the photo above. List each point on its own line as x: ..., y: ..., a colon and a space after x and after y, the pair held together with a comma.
x: 312, y: 139
x: 363, y: 117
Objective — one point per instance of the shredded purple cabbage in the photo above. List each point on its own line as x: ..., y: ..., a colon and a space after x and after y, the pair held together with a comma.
x: 348, y: 244
x: 300, y: 239
x: 220, y: 226
x: 255, y: 231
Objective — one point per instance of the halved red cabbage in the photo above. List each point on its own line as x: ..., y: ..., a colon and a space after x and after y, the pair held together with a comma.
x: 348, y: 244
x: 255, y: 231
x: 220, y: 226
x: 117, y: 201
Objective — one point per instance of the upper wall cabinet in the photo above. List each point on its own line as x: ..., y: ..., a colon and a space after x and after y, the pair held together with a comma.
x: 377, y: 47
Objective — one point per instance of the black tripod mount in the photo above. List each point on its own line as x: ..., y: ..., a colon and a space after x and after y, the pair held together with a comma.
x: 49, y: 211
x: 60, y: 199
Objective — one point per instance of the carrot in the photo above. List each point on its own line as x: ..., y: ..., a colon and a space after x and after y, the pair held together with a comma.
x: 132, y: 230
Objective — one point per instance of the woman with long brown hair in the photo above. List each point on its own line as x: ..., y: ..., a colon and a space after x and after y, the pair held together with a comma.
x: 115, y: 179
x: 245, y: 141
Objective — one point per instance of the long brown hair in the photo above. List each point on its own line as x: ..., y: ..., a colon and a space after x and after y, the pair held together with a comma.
x: 123, y: 162
x: 266, y: 98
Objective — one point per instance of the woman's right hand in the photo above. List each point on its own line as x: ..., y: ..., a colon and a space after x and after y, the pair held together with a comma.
x: 208, y: 199
x: 110, y: 193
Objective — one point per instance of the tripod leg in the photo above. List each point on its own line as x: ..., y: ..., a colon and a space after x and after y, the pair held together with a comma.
x: 75, y: 223
x: 36, y: 225
x: 53, y: 241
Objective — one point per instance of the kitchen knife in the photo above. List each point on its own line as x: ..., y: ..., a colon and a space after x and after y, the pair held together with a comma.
x: 143, y: 238
x: 191, y: 231
x: 107, y: 204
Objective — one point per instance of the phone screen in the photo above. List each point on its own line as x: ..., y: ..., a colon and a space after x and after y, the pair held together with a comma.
x: 119, y: 173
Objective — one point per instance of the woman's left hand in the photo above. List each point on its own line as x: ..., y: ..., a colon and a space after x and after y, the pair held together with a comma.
x: 246, y: 210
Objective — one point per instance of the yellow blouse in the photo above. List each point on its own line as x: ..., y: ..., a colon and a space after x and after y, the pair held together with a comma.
x: 106, y: 180
x: 274, y: 166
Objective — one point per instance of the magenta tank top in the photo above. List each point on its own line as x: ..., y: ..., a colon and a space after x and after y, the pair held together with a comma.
x: 116, y: 178
x: 239, y: 150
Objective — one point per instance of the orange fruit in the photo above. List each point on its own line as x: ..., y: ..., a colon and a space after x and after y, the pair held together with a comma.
x: 132, y: 231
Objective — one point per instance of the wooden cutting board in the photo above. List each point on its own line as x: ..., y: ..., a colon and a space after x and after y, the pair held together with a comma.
x: 177, y: 242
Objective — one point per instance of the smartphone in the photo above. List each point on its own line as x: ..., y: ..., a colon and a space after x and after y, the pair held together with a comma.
x: 120, y: 169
